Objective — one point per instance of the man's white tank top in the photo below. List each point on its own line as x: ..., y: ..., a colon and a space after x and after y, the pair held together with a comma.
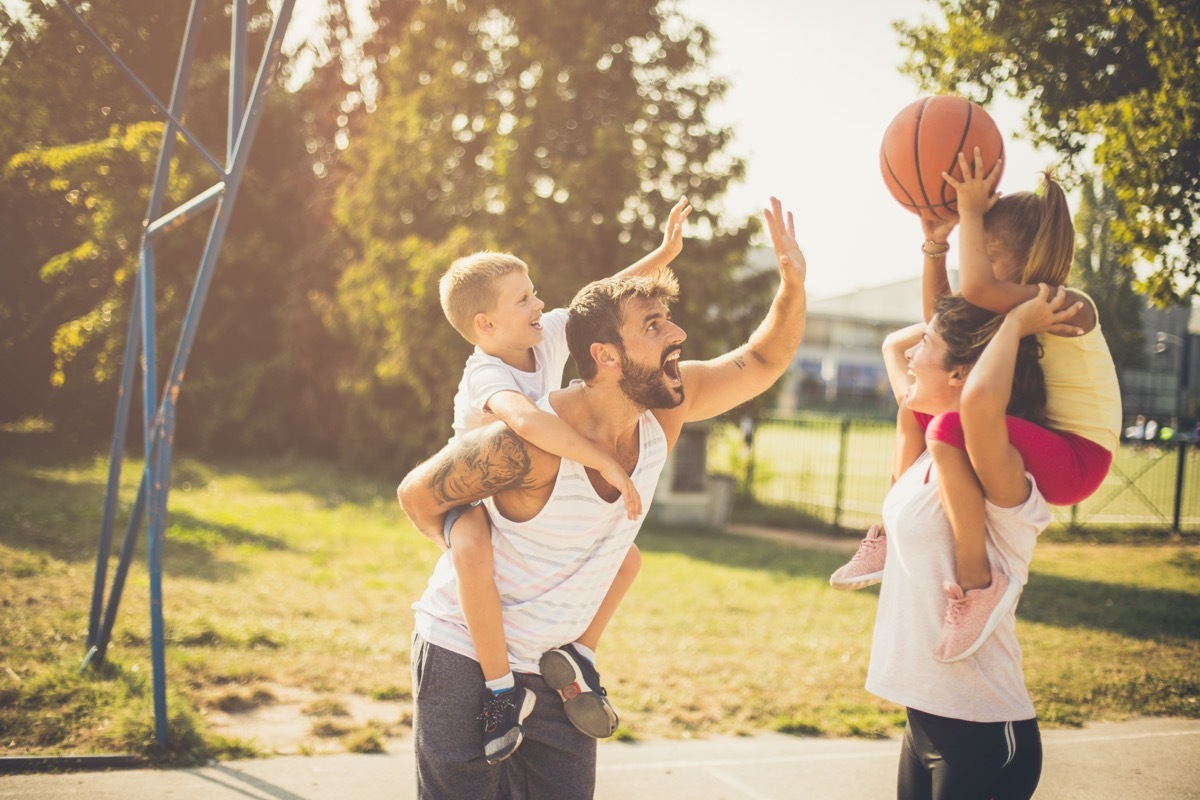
x: 552, y: 571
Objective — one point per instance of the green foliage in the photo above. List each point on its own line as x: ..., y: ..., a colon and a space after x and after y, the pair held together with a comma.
x: 1117, y: 79
x: 78, y: 146
x: 56, y: 89
x: 1102, y: 268
x: 511, y: 126
x: 95, y: 275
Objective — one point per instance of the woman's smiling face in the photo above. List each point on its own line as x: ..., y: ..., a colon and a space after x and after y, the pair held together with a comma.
x: 934, y: 388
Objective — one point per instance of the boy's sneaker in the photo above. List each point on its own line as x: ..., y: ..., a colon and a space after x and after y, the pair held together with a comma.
x: 577, y: 682
x: 973, y: 616
x: 865, y: 568
x: 502, y: 717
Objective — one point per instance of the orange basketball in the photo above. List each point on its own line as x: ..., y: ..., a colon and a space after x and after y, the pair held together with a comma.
x: 924, y: 140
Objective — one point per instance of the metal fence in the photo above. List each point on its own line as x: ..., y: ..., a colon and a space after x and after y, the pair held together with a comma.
x: 835, y: 472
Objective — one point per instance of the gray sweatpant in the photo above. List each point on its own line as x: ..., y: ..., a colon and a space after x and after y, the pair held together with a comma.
x: 555, y: 762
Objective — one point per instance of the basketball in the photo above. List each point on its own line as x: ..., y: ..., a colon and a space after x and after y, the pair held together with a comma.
x: 924, y: 140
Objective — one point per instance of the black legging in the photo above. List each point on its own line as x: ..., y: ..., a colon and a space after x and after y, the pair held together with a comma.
x: 949, y: 759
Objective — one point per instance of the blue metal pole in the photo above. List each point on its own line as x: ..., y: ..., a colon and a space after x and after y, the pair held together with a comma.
x: 165, y: 419
x: 237, y: 74
x: 262, y: 82
x: 99, y: 647
x: 137, y: 321
x: 173, y: 219
x: 112, y: 492
x: 155, y: 493
x: 154, y: 489
x: 156, y: 502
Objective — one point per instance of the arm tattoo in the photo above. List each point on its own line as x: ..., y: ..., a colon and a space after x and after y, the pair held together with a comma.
x: 740, y: 362
x: 481, y: 467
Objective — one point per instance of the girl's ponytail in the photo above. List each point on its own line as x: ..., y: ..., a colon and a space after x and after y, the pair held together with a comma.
x: 1053, y: 246
x: 1038, y: 231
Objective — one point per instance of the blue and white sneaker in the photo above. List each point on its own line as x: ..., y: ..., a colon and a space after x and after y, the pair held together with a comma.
x: 502, y: 717
x: 577, y: 682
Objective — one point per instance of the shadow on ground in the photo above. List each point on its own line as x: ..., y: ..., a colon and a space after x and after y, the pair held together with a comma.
x: 1134, y: 611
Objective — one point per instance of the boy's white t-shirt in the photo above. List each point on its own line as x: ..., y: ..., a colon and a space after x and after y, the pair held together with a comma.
x: 484, y: 375
x: 990, y: 685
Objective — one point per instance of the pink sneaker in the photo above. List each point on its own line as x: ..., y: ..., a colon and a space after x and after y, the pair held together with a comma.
x: 973, y: 616
x: 865, y: 568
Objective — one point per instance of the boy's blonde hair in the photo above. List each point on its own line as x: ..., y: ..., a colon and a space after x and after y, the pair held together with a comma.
x: 469, y: 287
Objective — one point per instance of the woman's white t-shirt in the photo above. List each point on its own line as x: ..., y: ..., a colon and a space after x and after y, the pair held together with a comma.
x: 987, y: 687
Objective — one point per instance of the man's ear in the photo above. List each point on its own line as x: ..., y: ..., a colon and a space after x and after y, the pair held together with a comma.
x: 483, y: 325
x: 605, y: 355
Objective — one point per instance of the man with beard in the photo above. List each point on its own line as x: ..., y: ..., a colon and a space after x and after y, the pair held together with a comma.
x: 560, y: 532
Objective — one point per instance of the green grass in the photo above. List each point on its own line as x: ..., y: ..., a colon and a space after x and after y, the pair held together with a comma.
x: 299, y: 574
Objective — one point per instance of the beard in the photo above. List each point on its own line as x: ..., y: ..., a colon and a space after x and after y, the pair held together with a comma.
x: 645, y: 388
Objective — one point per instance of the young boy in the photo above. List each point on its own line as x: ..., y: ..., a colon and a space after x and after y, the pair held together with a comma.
x: 519, y: 357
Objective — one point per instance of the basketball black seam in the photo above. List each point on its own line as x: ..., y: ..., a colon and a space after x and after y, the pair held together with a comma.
x: 962, y: 141
x: 888, y: 163
x: 917, y: 157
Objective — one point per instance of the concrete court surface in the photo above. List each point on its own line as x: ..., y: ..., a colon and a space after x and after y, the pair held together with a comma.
x: 1145, y: 759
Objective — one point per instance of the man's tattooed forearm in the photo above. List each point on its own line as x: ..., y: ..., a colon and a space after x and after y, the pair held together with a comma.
x: 481, y: 467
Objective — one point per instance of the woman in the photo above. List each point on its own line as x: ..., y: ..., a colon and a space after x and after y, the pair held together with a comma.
x: 972, y: 731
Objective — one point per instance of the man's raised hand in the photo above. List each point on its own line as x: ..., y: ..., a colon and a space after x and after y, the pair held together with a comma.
x: 792, y: 266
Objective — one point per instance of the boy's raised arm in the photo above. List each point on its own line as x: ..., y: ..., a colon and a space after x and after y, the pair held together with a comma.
x: 672, y: 244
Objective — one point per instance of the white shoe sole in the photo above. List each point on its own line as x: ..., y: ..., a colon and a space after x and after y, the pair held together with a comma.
x: 1006, y: 604
x: 857, y: 582
x: 588, y: 711
x: 503, y: 748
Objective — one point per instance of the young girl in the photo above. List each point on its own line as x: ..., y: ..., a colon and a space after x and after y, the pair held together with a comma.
x: 972, y: 730
x: 1010, y: 244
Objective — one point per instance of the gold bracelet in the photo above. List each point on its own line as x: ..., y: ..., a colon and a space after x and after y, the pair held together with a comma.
x: 935, y: 253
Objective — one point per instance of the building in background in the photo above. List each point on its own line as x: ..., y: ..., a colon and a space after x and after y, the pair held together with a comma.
x: 839, y: 366
x: 1166, y: 387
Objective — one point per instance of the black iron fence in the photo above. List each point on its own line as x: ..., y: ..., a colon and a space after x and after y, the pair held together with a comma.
x: 834, y: 471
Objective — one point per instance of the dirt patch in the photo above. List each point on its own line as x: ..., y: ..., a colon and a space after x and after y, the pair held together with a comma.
x: 288, y: 720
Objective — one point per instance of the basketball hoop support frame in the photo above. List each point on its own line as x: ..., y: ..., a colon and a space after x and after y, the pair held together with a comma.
x: 158, y: 415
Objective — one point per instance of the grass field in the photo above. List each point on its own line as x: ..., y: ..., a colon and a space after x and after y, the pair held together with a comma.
x: 292, y: 576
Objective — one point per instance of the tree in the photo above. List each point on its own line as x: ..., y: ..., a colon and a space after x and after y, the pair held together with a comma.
x: 562, y: 132
x: 1116, y: 79
x: 78, y: 155
x: 1104, y: 273
x: 57, y: 89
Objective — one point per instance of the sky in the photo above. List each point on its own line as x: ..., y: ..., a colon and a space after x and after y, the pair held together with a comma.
x: 813, y: 87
